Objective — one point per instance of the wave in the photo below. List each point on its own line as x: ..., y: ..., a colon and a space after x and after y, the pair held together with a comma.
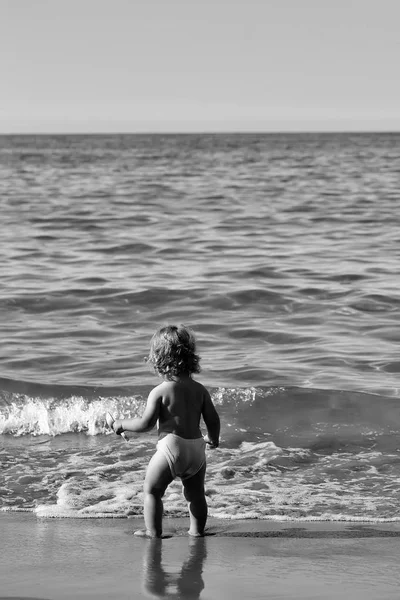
x: 36, y: 416
x: 316, y: 418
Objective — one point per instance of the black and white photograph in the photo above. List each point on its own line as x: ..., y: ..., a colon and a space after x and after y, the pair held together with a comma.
x: 199, y: 299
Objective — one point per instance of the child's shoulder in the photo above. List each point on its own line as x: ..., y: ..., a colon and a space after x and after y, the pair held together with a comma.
x: 164, y: 386
x: 160, y: 388
x: 198, y: 385
x: 170, y: 385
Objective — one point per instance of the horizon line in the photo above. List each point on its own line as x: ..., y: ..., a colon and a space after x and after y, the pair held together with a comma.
x: 210, y: 132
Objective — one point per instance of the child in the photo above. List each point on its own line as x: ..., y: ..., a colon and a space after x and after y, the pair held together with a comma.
x: 177, y: 404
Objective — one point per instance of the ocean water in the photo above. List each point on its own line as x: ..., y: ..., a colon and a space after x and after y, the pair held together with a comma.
x: 282, y: 252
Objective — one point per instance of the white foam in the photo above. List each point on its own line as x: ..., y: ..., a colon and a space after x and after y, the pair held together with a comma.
x: 38, y: 416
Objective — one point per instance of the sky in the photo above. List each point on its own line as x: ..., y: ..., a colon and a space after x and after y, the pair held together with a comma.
x: 88, y: 66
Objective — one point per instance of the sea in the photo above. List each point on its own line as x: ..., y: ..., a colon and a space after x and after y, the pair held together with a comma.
x: 280, y: 251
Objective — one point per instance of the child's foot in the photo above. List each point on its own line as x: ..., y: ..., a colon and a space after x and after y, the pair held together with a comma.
x: 195, y: 533
x: 146, y: 534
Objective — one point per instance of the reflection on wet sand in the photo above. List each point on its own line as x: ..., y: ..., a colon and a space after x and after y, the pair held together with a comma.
x: 188, y: 583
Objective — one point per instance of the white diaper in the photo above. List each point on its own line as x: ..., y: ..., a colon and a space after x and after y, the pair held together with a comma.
x: 185, y: 457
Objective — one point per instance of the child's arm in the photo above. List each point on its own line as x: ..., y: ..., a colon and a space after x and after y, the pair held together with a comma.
x: 211, y: 419
x: 146, y: 421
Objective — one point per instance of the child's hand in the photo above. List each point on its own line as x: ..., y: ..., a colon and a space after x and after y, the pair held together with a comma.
x: 117, y: 426
x: 209, y: 442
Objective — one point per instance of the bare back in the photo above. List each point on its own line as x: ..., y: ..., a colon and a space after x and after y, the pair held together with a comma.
x: 181, y: 405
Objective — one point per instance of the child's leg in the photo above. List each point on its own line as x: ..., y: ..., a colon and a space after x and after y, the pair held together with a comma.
x: 195, y: 496
x: 158, y: 477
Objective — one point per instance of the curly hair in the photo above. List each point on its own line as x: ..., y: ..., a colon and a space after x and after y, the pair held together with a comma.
x: 173, y: 352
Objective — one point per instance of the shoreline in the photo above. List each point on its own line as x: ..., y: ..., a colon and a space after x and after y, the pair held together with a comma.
x: 227, y: 527
x: 52, y: 558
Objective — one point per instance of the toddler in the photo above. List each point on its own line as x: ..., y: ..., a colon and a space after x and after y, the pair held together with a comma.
x: 178, y: 404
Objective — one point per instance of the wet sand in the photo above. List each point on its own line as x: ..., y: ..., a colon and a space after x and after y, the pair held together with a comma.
x: 62, y: 559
